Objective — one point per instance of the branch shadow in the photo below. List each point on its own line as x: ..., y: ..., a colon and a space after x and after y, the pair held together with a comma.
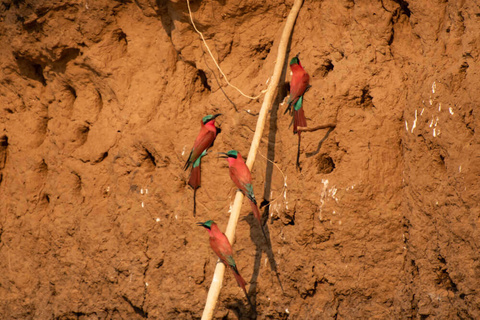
x: 311, y: 154
x: 261, y: 245
x: 282, y: 90
x: 218, y: 81
x: 241, y: 310
x: 264, y: 244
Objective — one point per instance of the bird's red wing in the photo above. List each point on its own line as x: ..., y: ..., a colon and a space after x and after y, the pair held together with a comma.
x: 305, y: 82
x: 299, y: 84
x: 204, y: 140
x: 234, y: 175
x: 241, y: 176
x: 221, y: 247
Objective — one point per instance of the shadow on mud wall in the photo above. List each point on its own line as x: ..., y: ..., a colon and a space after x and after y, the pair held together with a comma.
x: 255, y: 234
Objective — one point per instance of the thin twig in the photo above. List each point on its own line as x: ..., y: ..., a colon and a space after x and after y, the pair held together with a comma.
x: 323, y: 126
x: 215, y: 61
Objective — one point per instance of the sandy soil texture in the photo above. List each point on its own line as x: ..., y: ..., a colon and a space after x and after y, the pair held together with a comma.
x: 100, y: 102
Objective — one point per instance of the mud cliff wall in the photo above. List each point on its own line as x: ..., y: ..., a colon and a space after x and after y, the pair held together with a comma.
x: 100, y: 102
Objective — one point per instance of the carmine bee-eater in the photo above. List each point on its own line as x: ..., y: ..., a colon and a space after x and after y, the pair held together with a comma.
x: 242, y: 178
x: 206, y: 137
x: 221, y: 246
x: 299, y: 83
x: 195, y: 179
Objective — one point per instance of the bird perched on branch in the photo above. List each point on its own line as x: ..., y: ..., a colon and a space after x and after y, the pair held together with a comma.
x: 221, y: 246
x: 205, y: 139
x: 241, y: 176
x: 299, y: 83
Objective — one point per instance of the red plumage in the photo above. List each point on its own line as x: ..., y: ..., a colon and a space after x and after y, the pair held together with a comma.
x: 240, y: 281
x: 222, y: 248
x: 299, y: 119
x: 195, y: 178
x: 256, y: 213
x: 239, y: 173
x: 241, y: 176
x: 204, y: 140
x: 220, y: 245
x: 194, y: 182
x: 298, y: 84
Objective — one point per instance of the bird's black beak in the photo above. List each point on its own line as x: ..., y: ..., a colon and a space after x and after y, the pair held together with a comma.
x: 216, y: 115
x: 222, y: 155
x: 298, y: 55
x: 202, y: 224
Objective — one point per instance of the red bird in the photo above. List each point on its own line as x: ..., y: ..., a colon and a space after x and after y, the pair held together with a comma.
x: 241, y: 176
x: 206, y: 137
x: 299, y: 83
x: 221, y: 246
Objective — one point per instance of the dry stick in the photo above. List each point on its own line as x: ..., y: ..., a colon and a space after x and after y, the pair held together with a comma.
x: 267, y: 102
x: 323, y: 126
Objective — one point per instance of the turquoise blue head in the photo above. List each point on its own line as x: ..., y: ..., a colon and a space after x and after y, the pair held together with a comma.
x: 295, y: 60
x: 210, y: 117
x: 229, y: 154
x: 232, y: 154
x: 207, y: 224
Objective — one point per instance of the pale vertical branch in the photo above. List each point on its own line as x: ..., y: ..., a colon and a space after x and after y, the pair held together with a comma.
x: 216, y: 285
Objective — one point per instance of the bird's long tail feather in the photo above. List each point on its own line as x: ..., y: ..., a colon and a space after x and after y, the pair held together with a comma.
x: 194, y: 202
x: 258, y: 215
x: 194, y: 182
x: 299, y: 120
x: 195, y: 178
x: 241, y: 282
